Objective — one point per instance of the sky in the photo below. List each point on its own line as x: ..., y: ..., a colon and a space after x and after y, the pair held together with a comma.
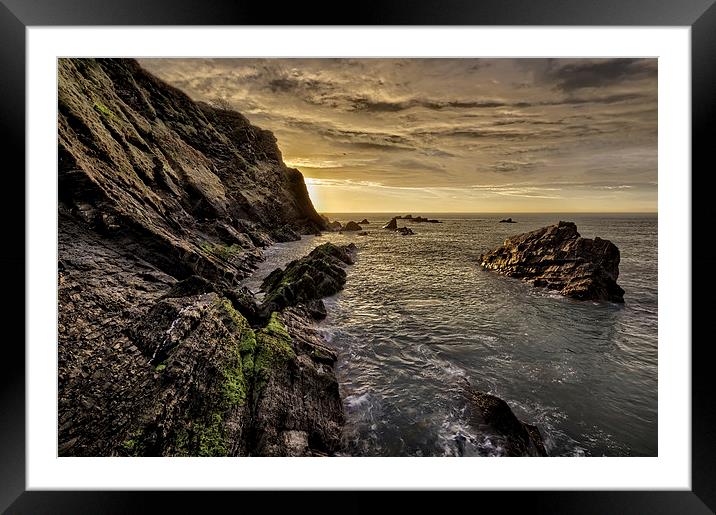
x: 449, y: 135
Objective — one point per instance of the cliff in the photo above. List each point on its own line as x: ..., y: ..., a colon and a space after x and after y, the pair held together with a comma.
x: 164, y: 206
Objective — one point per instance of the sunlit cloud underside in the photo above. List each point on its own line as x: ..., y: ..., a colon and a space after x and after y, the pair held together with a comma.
x: 449, y: 135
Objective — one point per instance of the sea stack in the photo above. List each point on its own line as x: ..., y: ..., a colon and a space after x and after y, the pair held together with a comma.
x: 392, y: 225
x: 558, y: 258
x: 352, y: 226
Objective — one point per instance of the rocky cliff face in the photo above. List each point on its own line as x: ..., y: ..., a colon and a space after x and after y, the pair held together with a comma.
x: 164, y: 205
x: 558, y: 258
x: 198, y: 188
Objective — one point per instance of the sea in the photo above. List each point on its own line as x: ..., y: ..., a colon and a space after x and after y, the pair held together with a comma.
x: 418, y: 318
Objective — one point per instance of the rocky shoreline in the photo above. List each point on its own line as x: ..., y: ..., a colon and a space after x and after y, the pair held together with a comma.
x: 165, y: 206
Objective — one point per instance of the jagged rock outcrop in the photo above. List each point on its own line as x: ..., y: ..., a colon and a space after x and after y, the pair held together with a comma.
x: 352, y: 226
x: 308, y: 279
x: 392, y: 225
x: 558, y: 258
x: 164, y: 205
x: 493, y: 417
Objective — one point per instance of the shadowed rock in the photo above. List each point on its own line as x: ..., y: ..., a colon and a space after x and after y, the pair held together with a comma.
x: 558, y: 258
x: 493, y: 417
x: 392, y: 225
x: 352, y: 226
x: 507, y: 221
x: 364, y: 222
x: 405, y: 231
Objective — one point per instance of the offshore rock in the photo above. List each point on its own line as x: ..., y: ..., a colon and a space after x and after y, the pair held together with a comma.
x: 507, y: 221
x: 392, y: 225
x: 493, y: 417
x: 405, y: 231
x: 558, y: 258
x: 364, y: 222
x: 352, y: 226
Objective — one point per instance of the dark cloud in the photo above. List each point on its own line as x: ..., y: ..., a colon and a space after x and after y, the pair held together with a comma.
x: 600, y: 74
x: 514, y: 166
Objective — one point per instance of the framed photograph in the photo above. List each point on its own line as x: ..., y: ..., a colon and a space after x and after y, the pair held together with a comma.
x: 449, y: 248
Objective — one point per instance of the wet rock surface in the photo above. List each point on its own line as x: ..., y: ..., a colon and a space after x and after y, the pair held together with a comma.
x: 558, y: 258
x: 493, y: 417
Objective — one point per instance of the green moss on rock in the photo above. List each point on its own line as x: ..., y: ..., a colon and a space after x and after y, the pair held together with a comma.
x: 225, y: 252
x: 103, y: 109
x: 211, y: 437
x: 273, y: 350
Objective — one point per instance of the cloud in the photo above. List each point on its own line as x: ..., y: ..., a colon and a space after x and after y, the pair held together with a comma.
x: 445, y: 125
x: 600, y: 74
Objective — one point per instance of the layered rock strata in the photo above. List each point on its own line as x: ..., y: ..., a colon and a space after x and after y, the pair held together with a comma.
x: 558, y: 258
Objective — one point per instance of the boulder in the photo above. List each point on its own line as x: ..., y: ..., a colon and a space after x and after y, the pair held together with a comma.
x: 364, y: 222
x: 405, y: 231
x: 558, y: 258
x: 352, y: 226
x: 363, y: 233
x: 392, y: 225
x: 335, y: 226
x: 493, y: 416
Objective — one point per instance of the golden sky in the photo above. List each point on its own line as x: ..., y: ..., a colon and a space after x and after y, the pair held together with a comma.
x: 449, y: 135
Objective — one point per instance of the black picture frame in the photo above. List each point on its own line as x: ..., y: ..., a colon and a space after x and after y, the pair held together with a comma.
x: 17, y: 15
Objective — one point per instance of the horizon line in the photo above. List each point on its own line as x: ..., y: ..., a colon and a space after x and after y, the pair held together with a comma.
x: 501, y: 212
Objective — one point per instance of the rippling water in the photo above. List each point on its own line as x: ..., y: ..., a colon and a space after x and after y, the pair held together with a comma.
x: 417, y: 314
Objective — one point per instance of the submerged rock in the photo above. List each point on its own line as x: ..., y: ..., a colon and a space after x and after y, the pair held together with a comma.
x: 392, y: 225
x: 405, y: 231
x: 363, y: 233
x: 352, y: 226
x: 558, y: 258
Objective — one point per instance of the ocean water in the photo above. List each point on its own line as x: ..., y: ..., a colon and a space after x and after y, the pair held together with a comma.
x: 418, y: 316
